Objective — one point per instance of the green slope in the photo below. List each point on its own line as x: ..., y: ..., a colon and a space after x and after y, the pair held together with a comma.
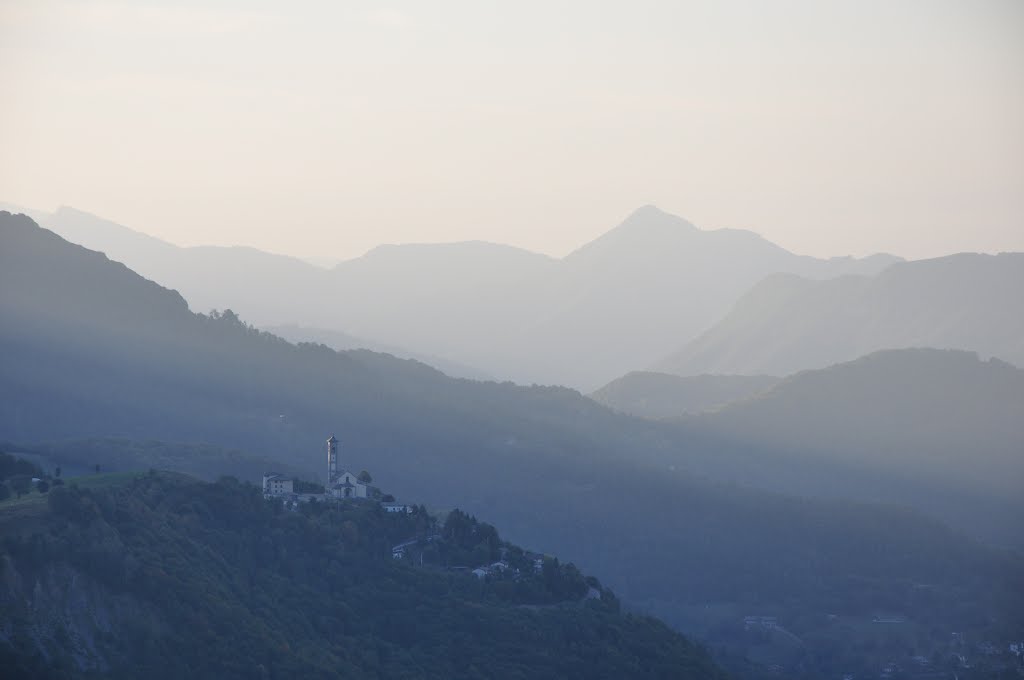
x: 163, y: 576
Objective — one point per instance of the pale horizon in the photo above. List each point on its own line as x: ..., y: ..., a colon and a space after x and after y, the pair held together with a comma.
x: 328, y: 257
x: 319, y: 131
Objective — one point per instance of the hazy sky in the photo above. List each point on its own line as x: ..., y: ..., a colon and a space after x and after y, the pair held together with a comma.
x: 324, y: 128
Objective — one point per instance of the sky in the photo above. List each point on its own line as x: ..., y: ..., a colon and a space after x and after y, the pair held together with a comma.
x: 325, y: 128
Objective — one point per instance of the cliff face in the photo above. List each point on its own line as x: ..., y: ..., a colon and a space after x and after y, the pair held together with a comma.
x: 65, y: 618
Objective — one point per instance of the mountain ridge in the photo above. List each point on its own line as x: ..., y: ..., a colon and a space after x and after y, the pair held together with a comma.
x: 663, y: 395
x: 509, y: 312
x: 788, y: 323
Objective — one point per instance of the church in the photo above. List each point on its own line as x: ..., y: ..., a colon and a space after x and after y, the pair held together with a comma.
x: 342, y: 483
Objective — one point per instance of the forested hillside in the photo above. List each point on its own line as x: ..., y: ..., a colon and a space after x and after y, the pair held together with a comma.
x: 162, y: 576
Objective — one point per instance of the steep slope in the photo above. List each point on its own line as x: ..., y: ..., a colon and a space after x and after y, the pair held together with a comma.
x: 939, y: 429
x: 342, y: 341
x: 786, y: 324
x: 557, y: 471
x: 659, y: 395
x: 164, y: 577
x: 622, y: 301
x: 262, y: 286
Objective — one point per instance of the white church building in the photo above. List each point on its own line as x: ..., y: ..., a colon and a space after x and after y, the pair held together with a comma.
x: 342, y: 483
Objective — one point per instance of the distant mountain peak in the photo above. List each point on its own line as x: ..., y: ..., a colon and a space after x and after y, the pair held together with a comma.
x: 71, y: 210
x: 652, y: 217
x: 646, y: 227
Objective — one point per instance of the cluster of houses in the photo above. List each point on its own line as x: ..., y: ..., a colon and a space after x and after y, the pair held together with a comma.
x: 341, y: 484
x: 760, y: 622
x: 988, y: 658
x: 499, y: 569
x: 344, y: 485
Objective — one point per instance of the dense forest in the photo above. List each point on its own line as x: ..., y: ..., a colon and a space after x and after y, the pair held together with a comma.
x: 159, y: 575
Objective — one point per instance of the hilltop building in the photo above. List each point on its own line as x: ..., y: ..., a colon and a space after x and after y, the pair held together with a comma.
x: 342, y: 483
x: 275, y: 484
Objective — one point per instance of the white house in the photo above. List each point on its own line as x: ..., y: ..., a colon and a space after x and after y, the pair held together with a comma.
x: 763, y: 622
x: 396, y: 507
x: 275, y: 484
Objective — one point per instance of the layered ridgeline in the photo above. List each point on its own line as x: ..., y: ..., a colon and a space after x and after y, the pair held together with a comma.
x: 92, y: 349
x: 660, y: 395
x: 787, y: 323
x: 935, y: 429
x: 340, y: 340
x: 618, y: 303
x: 162, y: 576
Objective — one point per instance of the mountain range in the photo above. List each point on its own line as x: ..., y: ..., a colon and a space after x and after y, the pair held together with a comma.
x: 92, y: 349
x: 935, y: 429
x: 660, y: 395
x: 788, y: 323
x: 624, y: 301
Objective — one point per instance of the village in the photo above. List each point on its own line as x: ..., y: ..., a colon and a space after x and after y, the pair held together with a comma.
x: 345, y: 486
x: 457, y: 544
x: 341, y: 485
x: 958, y: 656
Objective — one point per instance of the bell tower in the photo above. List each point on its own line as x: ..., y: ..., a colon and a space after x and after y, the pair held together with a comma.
x: 332, y: 459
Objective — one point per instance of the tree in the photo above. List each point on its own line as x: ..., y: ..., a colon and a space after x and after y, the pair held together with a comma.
x: 5, y: 492
x: 21, y: 484
x: 302, y: 486
x: 365, y: 477
x: 97, y: 468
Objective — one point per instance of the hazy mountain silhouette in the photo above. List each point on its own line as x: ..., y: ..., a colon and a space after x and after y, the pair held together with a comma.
x: 938, y: 429
x: 787, y: 323
x: 39, y: 216
x: 622, y: 301
x: 92, y: 349
x: 343, y: 341
x: 660, y: 395
x: 260, y: 285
